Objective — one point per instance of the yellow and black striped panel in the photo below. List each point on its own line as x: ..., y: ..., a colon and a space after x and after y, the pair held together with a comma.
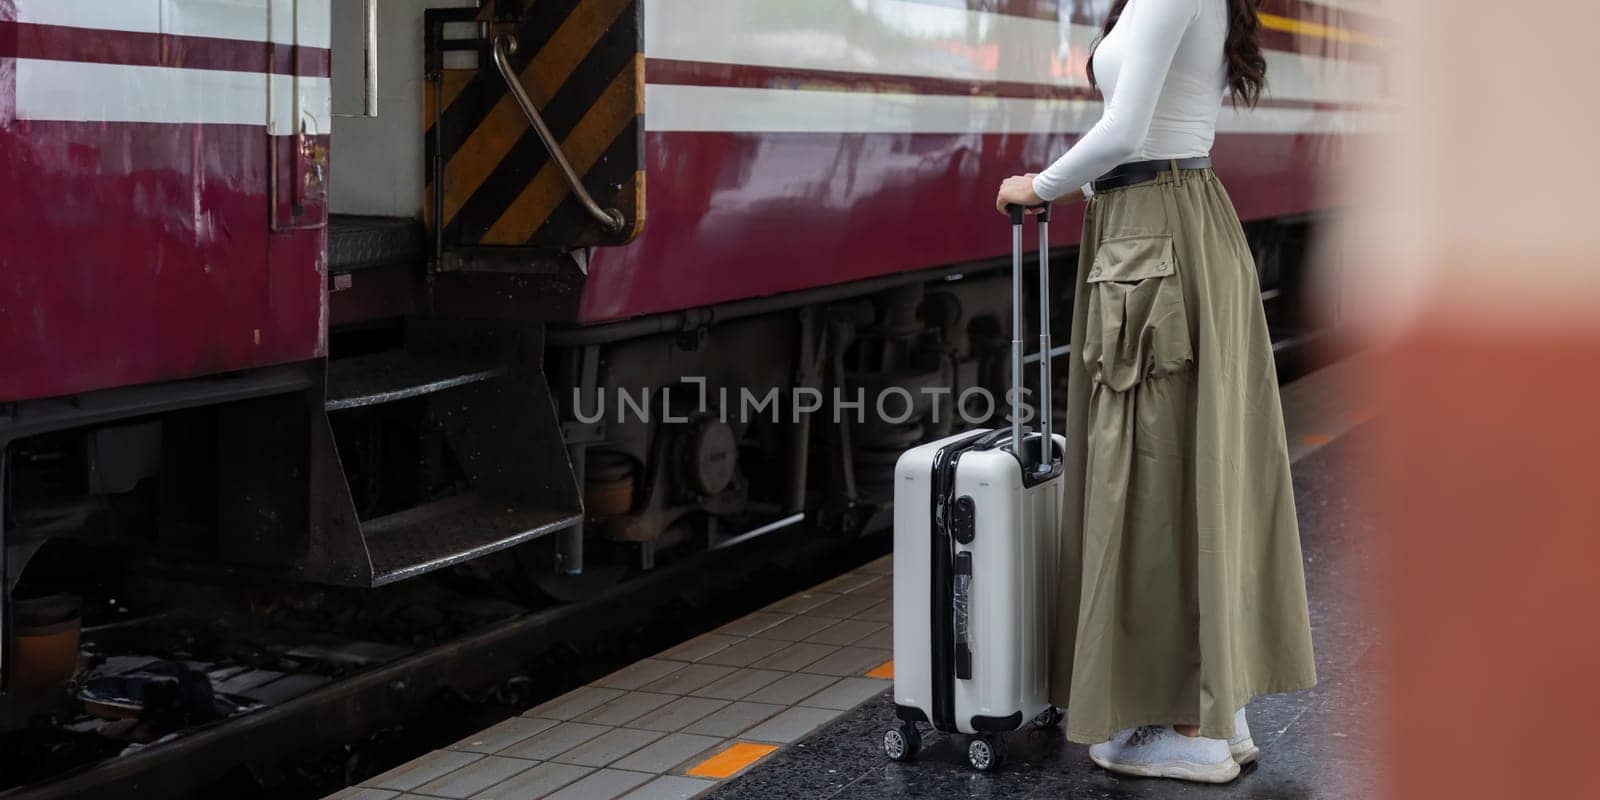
x: 582, y: 63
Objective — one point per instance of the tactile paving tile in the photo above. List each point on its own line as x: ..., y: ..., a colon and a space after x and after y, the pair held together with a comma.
x: 607, y: 747
x: 553, y: 742
x: 752, y: 624
x: 882, y: 612
x: 792, y: 689
x: 688, y: 679
x: 796, y: 628
x: 881, y: 587
x: 731, y: 760
x: 536, y: 782
x: 795, y: 657
x: 475, y: 777
x: 501, y: 735
x: 670, y: 787
x: 846, y: 632
x: 883, y: 639
x: 701, y: 646
x: 846, y: 583
x: 640, y: 673
x: 667, y: 752
x: 790, y: 725
x: 845, y: 605
x: 734, y: 719
x: 678, y: 714
x: 409, y: 776
x: 847, y: 693
x: 364, y: 793
x: 575, y: 702
x: 607, y: 784
x: 745, y: 652
x: 849, y: 661
x: 626, y: 708
x: 739, y: 684
x: 801, y: 603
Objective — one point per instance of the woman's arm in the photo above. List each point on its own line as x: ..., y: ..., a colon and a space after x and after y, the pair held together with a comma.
x: 1153, y: 34
x: 1018, y: 190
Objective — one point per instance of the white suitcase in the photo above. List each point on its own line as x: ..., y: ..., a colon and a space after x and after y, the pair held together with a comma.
x: 975, y: 541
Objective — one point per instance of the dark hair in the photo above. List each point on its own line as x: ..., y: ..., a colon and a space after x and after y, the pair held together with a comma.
x: 1247, y: 68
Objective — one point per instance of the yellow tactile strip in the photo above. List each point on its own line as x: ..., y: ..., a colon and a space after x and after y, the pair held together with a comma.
x: 732, y: 760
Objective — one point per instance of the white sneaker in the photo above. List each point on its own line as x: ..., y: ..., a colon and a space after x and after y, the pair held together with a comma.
x: 1242, y: 747
x: 1158, y: 751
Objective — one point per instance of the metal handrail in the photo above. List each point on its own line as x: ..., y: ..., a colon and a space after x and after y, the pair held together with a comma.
x: 504, y: 45
x: 369, y: 36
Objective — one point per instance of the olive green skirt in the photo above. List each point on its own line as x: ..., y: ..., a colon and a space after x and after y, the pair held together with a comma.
x: 1182, y: 594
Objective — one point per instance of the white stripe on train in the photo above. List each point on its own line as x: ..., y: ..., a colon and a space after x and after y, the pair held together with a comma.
x: 901, y: 37
x: 881, y: 37
x: 715, y: 108
x: 246, y: 20
x: 72, y: 91
x: 84, y: 92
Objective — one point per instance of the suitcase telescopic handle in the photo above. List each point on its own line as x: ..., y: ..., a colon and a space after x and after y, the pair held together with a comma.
x: 1046, y: 442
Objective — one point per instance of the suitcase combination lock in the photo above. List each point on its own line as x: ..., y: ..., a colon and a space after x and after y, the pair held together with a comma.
x: 965, y: 519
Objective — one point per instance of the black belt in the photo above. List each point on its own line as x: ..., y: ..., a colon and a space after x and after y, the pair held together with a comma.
x: 1142, y: 171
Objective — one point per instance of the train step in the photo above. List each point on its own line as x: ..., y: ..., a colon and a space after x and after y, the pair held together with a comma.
x: 394, y: 375
x: 480, y: 407
x: 453, y: 530
x: 357, y: 242
x: 499, y: 425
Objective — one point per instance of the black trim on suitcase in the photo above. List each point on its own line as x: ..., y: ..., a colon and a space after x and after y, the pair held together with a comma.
x: 1001, y: 437
x: 997, y: 724
x: 942, y: 605
x: 910, y: 713
x: 963, y: 612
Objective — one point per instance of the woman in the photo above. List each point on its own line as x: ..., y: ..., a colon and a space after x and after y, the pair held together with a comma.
x: 1182, y: 594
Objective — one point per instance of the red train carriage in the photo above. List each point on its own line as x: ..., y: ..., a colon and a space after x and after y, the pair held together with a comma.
x: 323, y: 291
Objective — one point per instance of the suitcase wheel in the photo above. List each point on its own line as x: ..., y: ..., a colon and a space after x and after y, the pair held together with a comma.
x: 986, y: 753
x: 902, y: 743
x: 1049, y: 718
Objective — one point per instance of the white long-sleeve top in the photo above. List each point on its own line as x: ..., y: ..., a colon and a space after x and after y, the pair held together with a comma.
x: 1163, y: 74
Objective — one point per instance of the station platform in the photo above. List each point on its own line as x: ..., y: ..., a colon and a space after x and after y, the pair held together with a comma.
x: 791, y: 701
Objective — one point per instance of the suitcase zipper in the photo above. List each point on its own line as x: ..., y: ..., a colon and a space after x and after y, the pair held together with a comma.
x: 943, y: 633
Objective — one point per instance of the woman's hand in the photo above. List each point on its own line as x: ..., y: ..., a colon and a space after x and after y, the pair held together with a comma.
x: 1018, y: 190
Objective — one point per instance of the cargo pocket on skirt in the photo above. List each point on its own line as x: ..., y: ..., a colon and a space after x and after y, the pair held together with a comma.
x: 1137, y: 324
